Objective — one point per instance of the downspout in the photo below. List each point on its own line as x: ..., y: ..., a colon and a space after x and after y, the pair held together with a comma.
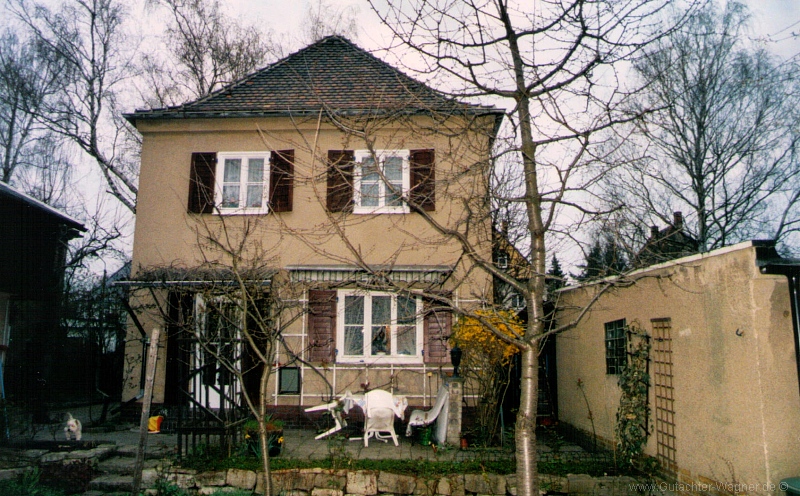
x: 794, y: 291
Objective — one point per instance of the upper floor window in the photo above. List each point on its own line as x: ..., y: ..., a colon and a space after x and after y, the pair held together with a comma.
x: 375, y: 325
x: 616, y: 346
x: 382, y: 180
x: 241, y: 182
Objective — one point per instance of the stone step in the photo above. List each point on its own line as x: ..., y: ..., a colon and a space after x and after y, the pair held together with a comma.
x: 152, y: 452
x: 124, y: 465
x: 112, y: 483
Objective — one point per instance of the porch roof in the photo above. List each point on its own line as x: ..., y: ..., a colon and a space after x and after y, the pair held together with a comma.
x: 426, y: 274
x: 197, y: 277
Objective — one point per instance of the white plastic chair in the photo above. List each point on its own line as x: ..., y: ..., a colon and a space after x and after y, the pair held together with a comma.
x: 421, y: 418
x: 379, y: 413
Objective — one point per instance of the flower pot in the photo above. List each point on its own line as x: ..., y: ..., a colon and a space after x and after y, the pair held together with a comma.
x: 425, y: 437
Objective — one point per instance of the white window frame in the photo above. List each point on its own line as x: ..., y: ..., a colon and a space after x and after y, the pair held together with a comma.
x: 203, y: 307
x: 381, y: 208
x: 367, y: 356
x: 219, y: 178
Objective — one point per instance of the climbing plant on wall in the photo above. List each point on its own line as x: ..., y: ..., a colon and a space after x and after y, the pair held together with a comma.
x: 633, y: 415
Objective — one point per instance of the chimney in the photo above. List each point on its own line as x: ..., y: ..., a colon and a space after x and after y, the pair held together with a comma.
x: 653, y: 232
x: 677, y: 220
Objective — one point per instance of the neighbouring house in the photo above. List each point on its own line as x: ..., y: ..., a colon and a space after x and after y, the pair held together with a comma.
x: 723, y: 395
x: 33, y: 251
x: 345, y: 185
x: 667, y: 244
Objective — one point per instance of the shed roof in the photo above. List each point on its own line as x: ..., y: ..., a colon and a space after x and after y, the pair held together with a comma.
x: 10, y: 195
x: 332, y: 74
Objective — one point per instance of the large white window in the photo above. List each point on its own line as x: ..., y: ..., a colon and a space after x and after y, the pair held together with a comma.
x: 218, y: 342
x: 242, y: 182
x: 381, y: 179
x: 375, y: 326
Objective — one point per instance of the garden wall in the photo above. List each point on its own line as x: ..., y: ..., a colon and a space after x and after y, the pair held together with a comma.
x: 326, y: 482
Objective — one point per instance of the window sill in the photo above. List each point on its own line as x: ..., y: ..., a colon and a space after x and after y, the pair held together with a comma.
x: 380, y: 360
x: 242, y: 211
x: 380, y: 210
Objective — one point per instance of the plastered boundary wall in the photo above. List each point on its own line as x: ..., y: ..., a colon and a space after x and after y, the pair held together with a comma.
x: 734, y: 369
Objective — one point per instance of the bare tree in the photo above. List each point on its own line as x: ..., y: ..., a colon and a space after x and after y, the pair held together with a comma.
x: 722, y: 145
x: 323, y: 19
x: 85, y: 43
x: 207, y: 50
x: 25, y: 82
x: 555, y: 65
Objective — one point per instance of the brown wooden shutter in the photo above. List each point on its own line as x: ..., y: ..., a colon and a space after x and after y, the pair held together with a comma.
x: 423, y: 179
x: 340, y: 180
x: 437, y: 326
x: 201, y: 183
x: 321, y: 325
x: 281, y: 180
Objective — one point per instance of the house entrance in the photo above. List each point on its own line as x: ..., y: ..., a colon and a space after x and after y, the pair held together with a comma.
x: 664, y: 393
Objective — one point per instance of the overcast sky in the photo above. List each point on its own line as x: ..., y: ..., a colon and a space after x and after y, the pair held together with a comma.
x: 775, y: 21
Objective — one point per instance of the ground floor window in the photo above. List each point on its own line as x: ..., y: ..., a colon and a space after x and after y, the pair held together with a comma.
x: 616, y: 346
x: 379, y: 326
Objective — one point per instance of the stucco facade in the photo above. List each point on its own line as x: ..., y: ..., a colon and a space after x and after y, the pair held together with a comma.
x: 731, y: 378
x: 312, y: 246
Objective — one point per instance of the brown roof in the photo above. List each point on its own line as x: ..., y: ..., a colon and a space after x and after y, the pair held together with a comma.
x: 332, y: 73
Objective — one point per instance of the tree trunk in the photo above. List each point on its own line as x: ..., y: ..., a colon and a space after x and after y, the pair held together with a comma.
x: 525, y: 433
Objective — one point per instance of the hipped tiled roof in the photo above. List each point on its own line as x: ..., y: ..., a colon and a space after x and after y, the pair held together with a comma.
x: 334, y: 74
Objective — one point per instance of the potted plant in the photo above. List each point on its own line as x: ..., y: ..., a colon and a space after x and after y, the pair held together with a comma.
x: 274, y: 429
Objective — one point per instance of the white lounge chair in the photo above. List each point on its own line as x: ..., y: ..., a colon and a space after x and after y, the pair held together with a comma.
x: 421, y: 418
x: 379, y: 413
x: 334, y: 408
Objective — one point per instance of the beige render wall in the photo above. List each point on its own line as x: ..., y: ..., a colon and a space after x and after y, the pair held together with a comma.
x: 736, y: 396
x: 166, y: 235
x: 164, y: 231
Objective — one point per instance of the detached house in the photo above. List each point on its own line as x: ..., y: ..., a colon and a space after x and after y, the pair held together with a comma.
x: 350, y: 189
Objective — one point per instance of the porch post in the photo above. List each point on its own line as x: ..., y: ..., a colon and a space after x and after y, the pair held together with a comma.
x: 455, y: 386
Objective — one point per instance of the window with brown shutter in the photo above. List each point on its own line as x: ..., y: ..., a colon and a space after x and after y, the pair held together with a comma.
x: 437, y: 329
x: 321, y: 325
x: 201, y: 183
x: 340, y: 180
x: 423, y: 180
x: 281, y: 180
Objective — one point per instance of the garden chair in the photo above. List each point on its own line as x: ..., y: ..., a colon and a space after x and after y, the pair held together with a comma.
x: 379, y: 413
x: 335, y: 409
x: 422, y: 418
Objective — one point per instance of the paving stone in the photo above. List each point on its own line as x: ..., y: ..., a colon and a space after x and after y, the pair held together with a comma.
x: 54, y: 457
x: 123, y: 466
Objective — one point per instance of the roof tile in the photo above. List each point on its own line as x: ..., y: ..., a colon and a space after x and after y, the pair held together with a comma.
x: 333, y: 73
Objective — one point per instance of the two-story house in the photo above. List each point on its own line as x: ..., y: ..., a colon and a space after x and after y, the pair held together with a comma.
x: 354, y: 192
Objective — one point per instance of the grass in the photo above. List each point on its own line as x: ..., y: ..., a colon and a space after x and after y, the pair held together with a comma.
x: 210, y: 460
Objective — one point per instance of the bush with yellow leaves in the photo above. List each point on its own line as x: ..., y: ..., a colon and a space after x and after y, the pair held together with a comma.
x: 486, y: 364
